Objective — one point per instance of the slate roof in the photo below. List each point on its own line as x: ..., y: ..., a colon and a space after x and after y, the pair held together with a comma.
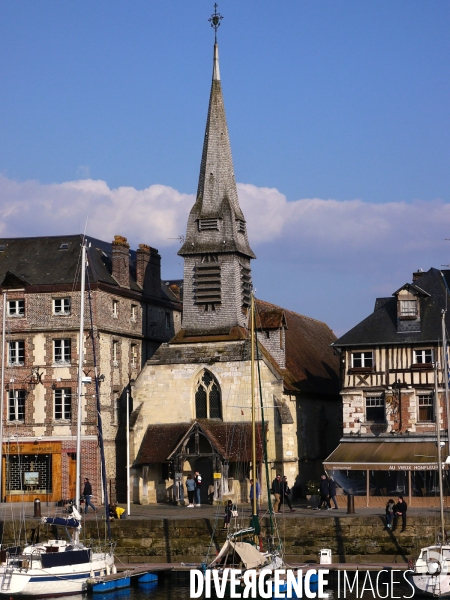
x: 233, y: 441
x: 312, y: 366
x: 41, y: 261
x: 380, y: 327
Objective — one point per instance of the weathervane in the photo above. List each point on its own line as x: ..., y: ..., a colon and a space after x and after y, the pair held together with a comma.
x: 215, y: 21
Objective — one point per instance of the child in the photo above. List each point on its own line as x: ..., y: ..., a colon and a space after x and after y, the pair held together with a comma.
x: 389, y: 513
x: 229, y: 509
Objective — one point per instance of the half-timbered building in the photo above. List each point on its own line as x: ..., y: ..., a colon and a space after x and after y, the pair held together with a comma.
x: 393, y: 388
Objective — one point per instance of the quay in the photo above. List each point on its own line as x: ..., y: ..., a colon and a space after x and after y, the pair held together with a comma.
x: 181, y: 538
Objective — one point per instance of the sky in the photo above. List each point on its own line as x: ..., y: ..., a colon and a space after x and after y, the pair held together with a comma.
x: 339, y: 120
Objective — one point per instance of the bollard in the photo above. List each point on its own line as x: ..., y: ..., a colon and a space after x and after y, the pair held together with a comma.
x: 37, y: 507
x: 350, y: 504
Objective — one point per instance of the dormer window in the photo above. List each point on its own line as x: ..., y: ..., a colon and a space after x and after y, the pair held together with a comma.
x: 208, y: 224
x: 408, y: 308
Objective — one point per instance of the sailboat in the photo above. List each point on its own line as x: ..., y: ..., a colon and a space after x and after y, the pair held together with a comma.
x: 430, y: 573
x: 59, y: 567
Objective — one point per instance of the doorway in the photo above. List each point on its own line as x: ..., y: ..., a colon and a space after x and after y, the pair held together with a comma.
x: 72, y: 470
x: 204, y: 466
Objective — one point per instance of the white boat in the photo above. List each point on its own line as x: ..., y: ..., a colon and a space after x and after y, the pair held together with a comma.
x: 430, y: 574
x: 58, y: 567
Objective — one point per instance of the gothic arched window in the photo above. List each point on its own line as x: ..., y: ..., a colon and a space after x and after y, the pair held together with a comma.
x: 208, y: 404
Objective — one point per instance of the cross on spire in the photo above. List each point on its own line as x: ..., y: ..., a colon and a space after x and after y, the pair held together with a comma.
x: 215, y: 21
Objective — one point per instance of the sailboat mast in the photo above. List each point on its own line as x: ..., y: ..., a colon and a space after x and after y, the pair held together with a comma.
x: 254, y: 472
x: 438, y: 435
x: 80, y: 376
x: 445, y: 375
x: 2, y: 392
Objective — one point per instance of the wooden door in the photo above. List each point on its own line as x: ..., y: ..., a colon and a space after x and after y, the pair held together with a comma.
x: 72, y: 457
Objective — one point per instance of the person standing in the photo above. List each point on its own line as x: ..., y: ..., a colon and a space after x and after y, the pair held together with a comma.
x: 87, y: 493
x: 276, y: 490
x: 258, y: 493
x: 390, y: 506
x: 198, y: 487
x: 332, y: 492
x: 400, y: 511
x: 324, y: 491
x: 229, y: 510
x: 285, y: 491
x: 190, y: 487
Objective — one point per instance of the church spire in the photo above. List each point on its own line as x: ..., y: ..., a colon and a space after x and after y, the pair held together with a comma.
x: 216, y: 250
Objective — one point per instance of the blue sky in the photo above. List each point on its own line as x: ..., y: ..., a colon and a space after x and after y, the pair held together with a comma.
x: 338, y: 114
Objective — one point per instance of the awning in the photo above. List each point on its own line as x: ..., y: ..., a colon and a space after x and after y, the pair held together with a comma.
x: 407, y: 455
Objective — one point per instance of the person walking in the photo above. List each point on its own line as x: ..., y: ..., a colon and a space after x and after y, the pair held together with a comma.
x: 390, y: 506
x: 276, y: 490
x: 324, y: 491
x: 285, y: 492
x: 190, y: 487
x: 87, y: 493
x: 332, y: 493
x: 198, y: 487
x: 400, y: 511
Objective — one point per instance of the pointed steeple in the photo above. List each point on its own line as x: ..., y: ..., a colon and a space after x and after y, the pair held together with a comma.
x: 216, y: 251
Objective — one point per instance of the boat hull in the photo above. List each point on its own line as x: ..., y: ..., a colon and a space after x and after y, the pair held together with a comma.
x: 53, y: 581
x: 424, y: 584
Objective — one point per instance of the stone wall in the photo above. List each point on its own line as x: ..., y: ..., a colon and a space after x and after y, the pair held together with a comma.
x: 351, y: 539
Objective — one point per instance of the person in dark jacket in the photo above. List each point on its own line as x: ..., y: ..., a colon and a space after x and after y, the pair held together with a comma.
x: 229, y: 510
x: 324, y: 491
x: 87, y: 493
x: 390, y: 507
x: 332, y: 492
x: 285, y: 491
x: 276, y: 490
x: 400, y: 511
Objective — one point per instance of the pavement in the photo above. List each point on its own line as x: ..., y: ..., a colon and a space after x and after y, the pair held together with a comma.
x: 17, y: 510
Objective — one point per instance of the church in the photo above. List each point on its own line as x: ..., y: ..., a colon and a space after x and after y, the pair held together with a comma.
x: 192, y: 398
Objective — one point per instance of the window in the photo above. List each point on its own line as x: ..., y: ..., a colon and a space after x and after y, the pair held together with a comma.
x: 115, y: 309
x: 240, y: 225
x: 16, y: 353
x: 61, y: 306
x: 63, y: 404
x: 133, y: 312
x: 61, y: 352
x: 16, y: 405
x: 362, y: 360
x: 115, y: 353
x: 208, y: 403
x: 167, y: 320
x: 408, y: 308
x: 426, y: 408
x: 16, y: 308
x: 375, y: 409
x: 208, y: 224
x: 423, y: 357
x: 134, y: 355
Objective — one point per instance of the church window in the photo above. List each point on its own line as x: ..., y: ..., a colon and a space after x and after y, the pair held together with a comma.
x: 208, y: 404
x: 246, y: 285
x: 240, y: 225
x: 208, y: 224
x: 208, y: 282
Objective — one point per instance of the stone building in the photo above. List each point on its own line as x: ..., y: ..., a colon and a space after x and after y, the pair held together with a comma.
x: 132, y: 315
x: 388, y: 383
x: 192, y: 399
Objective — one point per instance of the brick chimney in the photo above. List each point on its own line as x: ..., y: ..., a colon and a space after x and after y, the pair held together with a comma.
x: 148, y: 270
x: 417, y: 274
x: 121, y: 261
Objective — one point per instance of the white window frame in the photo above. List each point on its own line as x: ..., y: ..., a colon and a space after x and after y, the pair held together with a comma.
x: 134, y: 354
x: 16, y: 349
x: 133, y: 313
x: 419, y: 356
x: 364, y: 356
x: 16, y: 401
x: 62, y: 306
x: 16, y: 308
x: 375, y: 401
x: 115, y: 309
x: 115, y: 353
x: 409, y: 308
x: 430, y: 398
x: 62, y: 396
x: 64, y: 348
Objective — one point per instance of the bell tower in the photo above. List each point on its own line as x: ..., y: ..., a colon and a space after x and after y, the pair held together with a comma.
x: 216, y: 251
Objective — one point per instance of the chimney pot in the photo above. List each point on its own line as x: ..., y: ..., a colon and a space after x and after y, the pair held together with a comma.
x: 121, y: 261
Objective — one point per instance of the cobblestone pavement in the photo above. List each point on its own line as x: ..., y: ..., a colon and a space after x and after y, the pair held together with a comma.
x: 16, y: 510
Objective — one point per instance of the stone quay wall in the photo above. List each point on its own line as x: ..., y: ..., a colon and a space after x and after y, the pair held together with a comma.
x: 351, y: 539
